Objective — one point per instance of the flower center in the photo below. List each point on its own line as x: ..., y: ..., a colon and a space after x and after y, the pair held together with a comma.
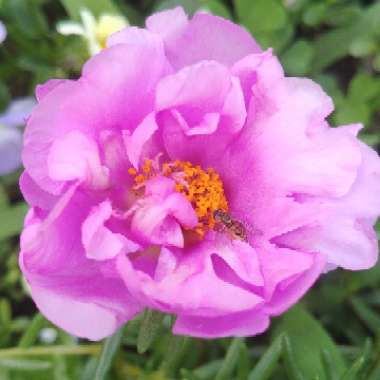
x: 203, y: 188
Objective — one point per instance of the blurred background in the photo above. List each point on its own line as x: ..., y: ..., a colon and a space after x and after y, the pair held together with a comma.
x: 334, y: 333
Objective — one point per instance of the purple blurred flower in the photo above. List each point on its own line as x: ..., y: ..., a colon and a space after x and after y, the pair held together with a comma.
x: 3, y: 32
x: 10, y: 136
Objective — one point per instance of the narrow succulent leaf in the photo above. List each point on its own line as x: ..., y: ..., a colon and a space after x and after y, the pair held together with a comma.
x: 244, y: 363
x: 308, y: 338
x: 231, y: 359
x: 31, y: 333
x: 174, y: 354
x: 25, y: 365
x: 375, y: 373
x: 290, y: 361
x: 366, y: 314
x: 110, y: 348
x: 353, y: 372
x: 150, y: 325
x: 268, y: 362
x: 189, y: 375
x: 209, y: 370
x: 329, y: 366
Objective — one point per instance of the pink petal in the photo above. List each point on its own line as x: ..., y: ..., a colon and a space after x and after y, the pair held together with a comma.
x: 248, y: 323
x: 82, y: 319
x: 75, y: 157
x: 167, y: 24
x: 208, y: 37
x: 140, y: 136
x: 43, y: 90
x: 55, y: 265
x: 99, y: 241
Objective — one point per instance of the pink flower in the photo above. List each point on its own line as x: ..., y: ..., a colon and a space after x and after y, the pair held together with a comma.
x: 185, y: 173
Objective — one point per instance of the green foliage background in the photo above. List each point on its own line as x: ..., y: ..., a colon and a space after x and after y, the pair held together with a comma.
x: 333, y: 334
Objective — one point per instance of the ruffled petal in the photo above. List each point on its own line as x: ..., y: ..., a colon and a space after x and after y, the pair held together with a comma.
x: 167, y: 24
x: 136, y: 141
x: 34, y: 195
x: 279, y: 157
x: 55, y: 265
x: 158, y: 218
x: 83, y: 319
x: 75, y: 157
x: 344, y: 231
x: 207, y: 37
x: 84, y: 105
x: 44, y: 89
x: 187, y: 282
x: 99, y: 241
x: 247, y: 323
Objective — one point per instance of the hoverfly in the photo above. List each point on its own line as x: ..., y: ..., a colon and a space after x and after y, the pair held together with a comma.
x: 235, y: 228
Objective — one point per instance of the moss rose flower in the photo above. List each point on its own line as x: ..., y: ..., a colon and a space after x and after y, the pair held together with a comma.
x: 185, y: 173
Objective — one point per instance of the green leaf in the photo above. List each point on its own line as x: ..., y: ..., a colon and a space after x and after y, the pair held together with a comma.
x: 306, y: 339
x: 334, y: 45
x: 97, y: 7
x: 11, y: 220
x: 366, y: 314
x: 208, y: 370
x: 261, y: 15
x: 268, y: 362
x: 376, y: 62
x: 188, y: 375
x: 5, y: 321
x: 375, y: 373
x: 354, y: 370
x: 216, y: 7
x: 363, y: 87
x: 329, y: 366
x: 244, y: 363
x: 110, y: 348
x: 174, y: 354
x: 315, y: 14
x: 150, y: 325
x: 231, y: 359
x: 25, y: 365
x: 27, y: 17
x: 352, y: 112
x: 298, y: 58
x: 276, y: 39
x: 190, y: 6
x: 342, y: 14
x: 31, y: 333
x: 291, y: 363
x: 363, y: 46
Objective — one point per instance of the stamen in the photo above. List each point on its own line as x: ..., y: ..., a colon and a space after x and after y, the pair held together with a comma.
x: 203, y: 188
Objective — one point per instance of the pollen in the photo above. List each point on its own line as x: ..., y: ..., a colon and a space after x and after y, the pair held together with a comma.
x: 203, y: 188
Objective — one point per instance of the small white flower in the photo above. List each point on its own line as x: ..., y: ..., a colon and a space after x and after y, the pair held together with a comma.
x: 48, y: 335
x: 95, y: 32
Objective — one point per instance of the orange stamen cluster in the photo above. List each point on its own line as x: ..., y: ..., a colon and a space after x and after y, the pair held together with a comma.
x: 203, y: 188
